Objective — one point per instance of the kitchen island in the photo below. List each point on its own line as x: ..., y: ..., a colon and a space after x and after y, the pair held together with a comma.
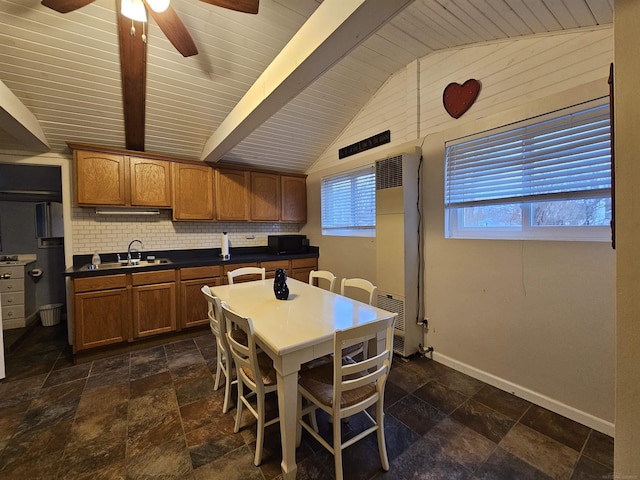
x: 118, y: 306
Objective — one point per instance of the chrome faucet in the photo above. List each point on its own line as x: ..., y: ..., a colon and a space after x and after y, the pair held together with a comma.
x: 129, y: 249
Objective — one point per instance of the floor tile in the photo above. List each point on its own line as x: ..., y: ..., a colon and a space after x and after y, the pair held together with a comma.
x: 560, y: 428
x: 502, y: 465
x: 483, y: 420
x: 503, y: 402
x: 544, y: 453
x: 441, y: 397
x: 599, y: 447
x: 419, y: 416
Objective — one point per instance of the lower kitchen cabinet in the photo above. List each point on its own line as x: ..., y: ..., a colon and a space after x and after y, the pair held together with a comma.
x: 154, y: 303
x: 301, y: 267
x: 272, y: 265
x: 193, y: 306
x: 101, y: 311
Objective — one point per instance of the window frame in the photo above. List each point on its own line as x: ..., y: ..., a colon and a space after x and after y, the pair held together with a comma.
x: 453, y: 215
x: 352, y: 229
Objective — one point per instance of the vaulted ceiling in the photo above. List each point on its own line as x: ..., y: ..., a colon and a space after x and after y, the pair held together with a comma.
x: 64, y: 68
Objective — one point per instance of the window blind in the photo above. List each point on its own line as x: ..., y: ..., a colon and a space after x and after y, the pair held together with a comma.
x: 559, y: 155
x: 348, y: 200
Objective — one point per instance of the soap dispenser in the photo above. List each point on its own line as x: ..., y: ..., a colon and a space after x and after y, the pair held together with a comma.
x: 95, y: 259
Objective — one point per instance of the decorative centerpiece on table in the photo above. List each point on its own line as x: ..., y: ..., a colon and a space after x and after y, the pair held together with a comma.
x: 280, y: 285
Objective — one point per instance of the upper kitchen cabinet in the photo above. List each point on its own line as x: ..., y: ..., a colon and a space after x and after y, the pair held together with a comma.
x: 100, y: 178
x: 232, y: 194
x: 192, y: 192
x: 294, y: 199
x: 119, y: 180
x: 150, y: 182
x: 265, y: 196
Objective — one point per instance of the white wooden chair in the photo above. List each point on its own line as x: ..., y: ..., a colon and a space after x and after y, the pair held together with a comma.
x: 224, y: 361
x: 358, y: 289
x: 255, y: 371
x: 358, y: 386
x: 255, y: 271
x: 316, y: 275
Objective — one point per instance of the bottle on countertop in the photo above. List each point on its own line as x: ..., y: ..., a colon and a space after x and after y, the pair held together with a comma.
x: 95, y: 259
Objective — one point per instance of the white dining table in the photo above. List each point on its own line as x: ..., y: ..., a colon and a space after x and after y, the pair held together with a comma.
x: 292, y: 332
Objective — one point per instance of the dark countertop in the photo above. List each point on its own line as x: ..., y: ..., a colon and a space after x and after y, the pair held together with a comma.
x: 181, y: 259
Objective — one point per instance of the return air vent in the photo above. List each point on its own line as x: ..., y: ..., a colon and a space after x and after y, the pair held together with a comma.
x: 389, y: 173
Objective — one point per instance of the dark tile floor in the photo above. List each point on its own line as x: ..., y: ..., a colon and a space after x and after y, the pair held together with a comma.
x: 153, y: 414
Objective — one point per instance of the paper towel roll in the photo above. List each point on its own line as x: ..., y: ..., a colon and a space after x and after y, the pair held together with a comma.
x: 224, y: 242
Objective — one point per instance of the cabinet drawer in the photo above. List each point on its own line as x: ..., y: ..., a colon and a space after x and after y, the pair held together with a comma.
x: 274, y: 264
x: 13, y: 298
x: 16, y: 285
x: 15, y: 312
x: 105, y: 282
x: 304, y: 262
x: 147, y: 278
x: 11, y: 272
x: 191, y: 273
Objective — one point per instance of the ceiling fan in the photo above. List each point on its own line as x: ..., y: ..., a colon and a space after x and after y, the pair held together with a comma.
x: 133, y: 49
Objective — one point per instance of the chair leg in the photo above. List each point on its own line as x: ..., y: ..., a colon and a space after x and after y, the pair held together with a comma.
x: 260, y: 430
x: 337, y: 448
x: 216, y: 385
x: 227, y: 389
x: 236, y: 428
x: 382, y: 446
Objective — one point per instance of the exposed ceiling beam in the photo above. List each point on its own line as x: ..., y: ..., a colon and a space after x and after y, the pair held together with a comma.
x: 334, y: 29
x: 19, y: 122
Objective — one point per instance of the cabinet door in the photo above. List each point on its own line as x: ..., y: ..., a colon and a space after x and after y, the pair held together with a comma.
x: 232, y: 194
x: 294, y: 199
x: 194, y: 305
x: 271, y: 266
x: 100, y: 178
x: 150, y: 182
x: 101, y: 318
x: 154, y: 309
x: 192, y: 192
x: 265, y: 196
x: 301, y: 267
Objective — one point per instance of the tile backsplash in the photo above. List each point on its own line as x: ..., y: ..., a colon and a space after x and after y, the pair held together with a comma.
x: 113, y: 233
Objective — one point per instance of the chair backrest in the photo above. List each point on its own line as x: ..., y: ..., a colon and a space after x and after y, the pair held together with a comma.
x: 360, y: 284
x: 245, y: 355
x: 246, y: 271
x: 370, y: 373
x: 216, y: 320
x: 322, y: 275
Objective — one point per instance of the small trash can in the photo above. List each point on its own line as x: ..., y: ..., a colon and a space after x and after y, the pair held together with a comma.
x: 50, y: 314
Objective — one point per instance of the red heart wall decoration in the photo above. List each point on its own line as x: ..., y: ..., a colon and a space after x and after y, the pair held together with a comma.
x: 457, y: 98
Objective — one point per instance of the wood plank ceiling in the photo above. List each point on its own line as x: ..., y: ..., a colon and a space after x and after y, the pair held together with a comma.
x: 65, y: 69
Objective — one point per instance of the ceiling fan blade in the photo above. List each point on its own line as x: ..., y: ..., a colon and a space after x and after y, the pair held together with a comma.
x: 133, y: 67
x: 245, y: 6
x: 65, y: 6
x: 174, y: 29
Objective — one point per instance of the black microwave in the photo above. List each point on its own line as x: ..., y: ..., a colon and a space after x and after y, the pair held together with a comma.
x: 287, y: 244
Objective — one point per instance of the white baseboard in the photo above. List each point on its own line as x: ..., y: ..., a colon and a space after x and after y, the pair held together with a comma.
x: 539, y: 399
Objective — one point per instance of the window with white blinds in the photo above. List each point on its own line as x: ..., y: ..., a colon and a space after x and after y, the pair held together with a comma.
x: 349, y: 203
x: 552, y: 171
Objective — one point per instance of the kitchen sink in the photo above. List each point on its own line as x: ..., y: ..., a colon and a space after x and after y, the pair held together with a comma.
x: 125, y: 264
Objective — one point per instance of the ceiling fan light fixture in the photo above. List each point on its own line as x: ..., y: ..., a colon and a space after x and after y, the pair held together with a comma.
x: 134, y: 9
x: 158, y: 6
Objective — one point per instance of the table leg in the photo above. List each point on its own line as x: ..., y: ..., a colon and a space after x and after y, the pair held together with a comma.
x: 287, y: 404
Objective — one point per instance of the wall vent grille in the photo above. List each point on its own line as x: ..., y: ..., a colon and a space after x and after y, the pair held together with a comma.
x: 389, y: 173
x: 395, y: 305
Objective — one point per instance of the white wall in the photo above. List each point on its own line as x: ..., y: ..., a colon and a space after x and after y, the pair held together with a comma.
x: 535, y: 318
